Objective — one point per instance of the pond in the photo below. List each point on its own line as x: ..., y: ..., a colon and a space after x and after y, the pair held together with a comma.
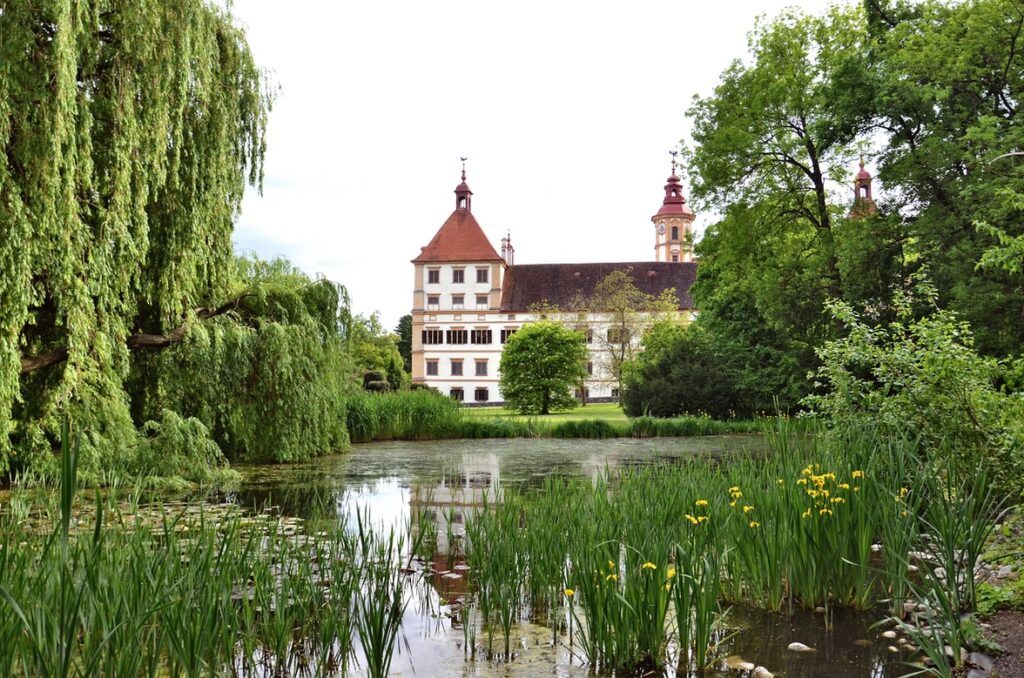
x: 403, y: 484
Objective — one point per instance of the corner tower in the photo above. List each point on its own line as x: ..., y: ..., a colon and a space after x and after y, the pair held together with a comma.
x: 863, y: 204
x: 673, y: 224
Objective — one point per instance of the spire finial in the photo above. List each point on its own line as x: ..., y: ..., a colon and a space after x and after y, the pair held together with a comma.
x: 463, y: 167
x: 673, y: 154
x: 862, y: 161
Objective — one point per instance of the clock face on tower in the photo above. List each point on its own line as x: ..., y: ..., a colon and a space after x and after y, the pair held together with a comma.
x: 661, y: 228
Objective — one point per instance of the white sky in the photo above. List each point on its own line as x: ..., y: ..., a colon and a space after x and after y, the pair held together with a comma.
x: 566, y: 110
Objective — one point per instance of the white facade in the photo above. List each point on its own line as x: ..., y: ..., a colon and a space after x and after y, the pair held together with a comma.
x: 468, y: 299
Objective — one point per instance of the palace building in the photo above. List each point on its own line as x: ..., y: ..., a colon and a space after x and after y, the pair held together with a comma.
x: 469, y: 298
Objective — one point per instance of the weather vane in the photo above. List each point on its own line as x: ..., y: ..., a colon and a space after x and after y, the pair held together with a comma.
x: 463, y: 167
x: 673, y: 154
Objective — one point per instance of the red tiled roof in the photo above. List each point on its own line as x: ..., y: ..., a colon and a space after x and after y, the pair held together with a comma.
x: 460, y: 238
x: 563, y: 285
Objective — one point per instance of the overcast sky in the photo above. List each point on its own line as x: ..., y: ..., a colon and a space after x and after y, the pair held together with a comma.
x: 566, y: 110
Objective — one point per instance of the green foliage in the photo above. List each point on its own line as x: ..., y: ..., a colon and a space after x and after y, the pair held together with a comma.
x: 408, y: 415
x: 540, y: 365
x: 679, y: 372
x: 404, y: 332
x: 173, y: 446
x: 949, y: 77
x: 923, y: 377
x: 373, y: 349
x: 269, y: 378
x: 626, y: 312
x: 127, y: 135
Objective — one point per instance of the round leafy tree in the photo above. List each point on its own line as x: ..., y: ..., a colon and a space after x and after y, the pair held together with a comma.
x: 540, y: 366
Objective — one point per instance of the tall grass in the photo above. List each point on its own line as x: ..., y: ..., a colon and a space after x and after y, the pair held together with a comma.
x: 424, y: 415
x: 144, y: 591
x: 647, y: 560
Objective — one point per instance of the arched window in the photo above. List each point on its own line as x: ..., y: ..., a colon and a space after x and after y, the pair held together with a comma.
x: 675, y: 233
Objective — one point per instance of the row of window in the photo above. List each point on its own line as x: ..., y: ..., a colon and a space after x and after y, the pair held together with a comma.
x: 458, y: 275
x: 458, y: 302
x: 456, y: 367
x: 462, y: 336
x: 480, y: 336
x: 480, y: 395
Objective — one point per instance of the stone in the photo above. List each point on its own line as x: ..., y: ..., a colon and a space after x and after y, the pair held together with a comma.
x: 912, y: 568
x: 876, y: 548
x: 1004, y: 571
x: 893, y: 649
x: 762, y: 672
x: 889, y: 634
x: 975, y: 673
x: 863, y: 642
x: 737, y: 663
x: 980, y: 660
x: 819, y: 610
x: 940, y: 572
x: 799, y: 647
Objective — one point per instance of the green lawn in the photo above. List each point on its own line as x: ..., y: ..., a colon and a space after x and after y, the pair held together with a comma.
x: 605, y: 411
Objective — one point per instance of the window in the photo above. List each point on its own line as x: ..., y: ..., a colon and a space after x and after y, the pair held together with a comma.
x: 675, y: 257
x: 457, y: 394
x: 481, y: 395
x: 505, y: 334
x: 431, y: 368
x: 458, y: 301
x: 590, y: 336
x: 481, y: 368
x: 457, y: 336
x: 432, y: 337
x: 615, y: 393
x: 433, y: 275
x: 433, y: 301
x: 456, y: 367
x: 458, y: 275
x: 675, y: 233
x: 480, y: 337
x: 481, y: 275
x: 481, y: 301
x: 590, y: 369
x: 616, y: 335
x: 511, y: 316
x: 583, y: 395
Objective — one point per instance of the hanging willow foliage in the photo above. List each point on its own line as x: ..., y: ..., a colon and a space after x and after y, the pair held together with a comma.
x: 267, y: 378
x: 128, y: 131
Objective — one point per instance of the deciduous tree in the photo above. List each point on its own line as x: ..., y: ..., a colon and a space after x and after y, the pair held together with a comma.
x: 540, y: 365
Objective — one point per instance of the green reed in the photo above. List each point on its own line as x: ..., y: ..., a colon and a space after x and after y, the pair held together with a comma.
x: 647, y: 559
x: 143, y: 590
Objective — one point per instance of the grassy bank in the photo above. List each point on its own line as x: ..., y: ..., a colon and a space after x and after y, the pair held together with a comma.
x: 422, y: 415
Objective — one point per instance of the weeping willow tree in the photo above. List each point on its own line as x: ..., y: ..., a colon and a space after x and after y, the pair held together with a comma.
x: 128, y: 132
x: 268, y: 377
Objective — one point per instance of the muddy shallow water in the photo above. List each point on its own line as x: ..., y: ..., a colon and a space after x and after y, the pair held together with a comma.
x: 402, y: 483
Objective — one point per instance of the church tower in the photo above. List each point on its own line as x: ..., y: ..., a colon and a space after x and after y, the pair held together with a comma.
x: 863, y: 204
x: 673, y: 224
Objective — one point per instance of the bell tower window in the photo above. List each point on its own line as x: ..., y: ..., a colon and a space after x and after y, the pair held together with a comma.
x: 675, y: 233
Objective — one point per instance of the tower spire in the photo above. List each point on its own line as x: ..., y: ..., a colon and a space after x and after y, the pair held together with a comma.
x: 673, y: 222
x: 463, y: 196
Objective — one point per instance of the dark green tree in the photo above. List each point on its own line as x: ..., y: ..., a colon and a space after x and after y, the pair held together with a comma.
x: 950, y: 79
x: 404, y: 332
x: 540, y: 365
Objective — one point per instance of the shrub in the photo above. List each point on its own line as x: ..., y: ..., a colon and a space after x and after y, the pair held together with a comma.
x: 922, y: 377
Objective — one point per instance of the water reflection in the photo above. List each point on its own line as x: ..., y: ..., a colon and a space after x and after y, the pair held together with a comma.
x: 428, y: 490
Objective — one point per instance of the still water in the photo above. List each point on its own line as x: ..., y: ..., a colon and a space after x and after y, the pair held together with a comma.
x: 401, y: 483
